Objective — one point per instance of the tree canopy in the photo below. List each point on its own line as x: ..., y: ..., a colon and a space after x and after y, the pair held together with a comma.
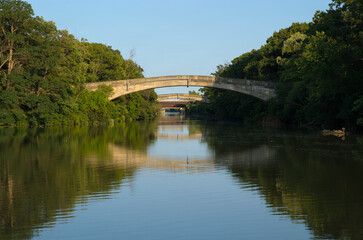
x: 43, y: 71
x: 318, y: 68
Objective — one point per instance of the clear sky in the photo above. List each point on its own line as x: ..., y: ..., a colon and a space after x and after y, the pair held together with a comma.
x: 172, y: 37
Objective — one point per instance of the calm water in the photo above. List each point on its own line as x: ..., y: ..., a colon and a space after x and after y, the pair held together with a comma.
x: 177, y: 179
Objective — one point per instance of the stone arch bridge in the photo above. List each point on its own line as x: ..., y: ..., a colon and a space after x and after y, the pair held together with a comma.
x: 182, y: 96
x: 259, y: 89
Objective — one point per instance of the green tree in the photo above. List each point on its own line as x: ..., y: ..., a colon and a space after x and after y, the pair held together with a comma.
x: 96, y: 106
x: 43, y: 72
x: 15, y: 20
x: 318, y: 67
x: 193, y: 92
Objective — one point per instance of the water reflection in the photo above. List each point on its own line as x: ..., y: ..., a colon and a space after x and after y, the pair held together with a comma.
x: 140, y: 160
x: 310, y: 179
x: 46, y: 172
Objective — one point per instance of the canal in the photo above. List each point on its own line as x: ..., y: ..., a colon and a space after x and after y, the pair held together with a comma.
x: 179, y: 178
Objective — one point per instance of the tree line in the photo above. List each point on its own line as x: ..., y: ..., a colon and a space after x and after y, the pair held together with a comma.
x: 318, y: 68
x: 43, y: 72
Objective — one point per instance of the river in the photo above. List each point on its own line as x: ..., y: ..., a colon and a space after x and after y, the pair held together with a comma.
x: 178, y: 178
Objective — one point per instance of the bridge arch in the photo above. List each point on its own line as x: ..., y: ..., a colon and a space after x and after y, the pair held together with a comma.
x: 259, y: 89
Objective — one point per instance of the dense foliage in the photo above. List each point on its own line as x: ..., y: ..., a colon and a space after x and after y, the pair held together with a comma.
x: 43, y: 71
x: 318, y: 67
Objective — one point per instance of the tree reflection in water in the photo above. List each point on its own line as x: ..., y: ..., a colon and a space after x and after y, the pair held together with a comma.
x: 45, y: 173
x: 309, y: 178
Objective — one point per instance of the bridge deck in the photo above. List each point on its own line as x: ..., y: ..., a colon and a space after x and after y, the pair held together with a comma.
x: 181, y: 96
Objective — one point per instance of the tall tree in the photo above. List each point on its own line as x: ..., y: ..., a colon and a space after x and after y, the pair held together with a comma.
x: 15, y: 22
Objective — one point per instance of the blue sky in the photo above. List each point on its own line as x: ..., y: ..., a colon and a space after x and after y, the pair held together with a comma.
x: 172, y: 37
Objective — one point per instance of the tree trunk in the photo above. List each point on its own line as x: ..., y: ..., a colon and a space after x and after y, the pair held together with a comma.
x: 10, y: 58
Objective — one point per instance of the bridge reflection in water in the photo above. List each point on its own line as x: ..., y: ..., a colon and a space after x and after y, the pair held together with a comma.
x: 178, y: 156
x: 305, y: 178
x: 179, y: 147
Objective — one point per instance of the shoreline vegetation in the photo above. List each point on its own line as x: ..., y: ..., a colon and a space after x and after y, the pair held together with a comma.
x: 318, y: 68
x: 317, y: 65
